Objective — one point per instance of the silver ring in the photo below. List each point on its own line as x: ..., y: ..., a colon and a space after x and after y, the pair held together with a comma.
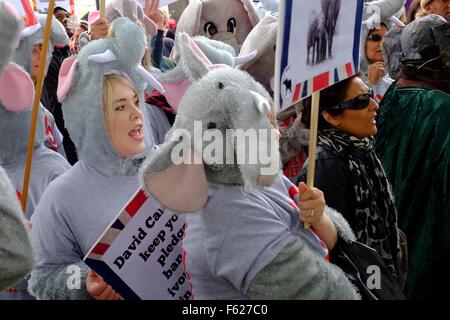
x: 312, y: 214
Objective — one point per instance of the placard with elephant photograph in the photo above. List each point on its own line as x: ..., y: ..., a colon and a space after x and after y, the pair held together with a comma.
x: 319, y: 43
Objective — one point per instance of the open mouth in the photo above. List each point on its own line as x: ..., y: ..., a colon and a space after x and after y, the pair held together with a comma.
x: 137, y: 133
x: 373, y: 120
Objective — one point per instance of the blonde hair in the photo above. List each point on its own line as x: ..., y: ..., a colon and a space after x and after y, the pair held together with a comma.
x: 109, y: 84
x: 165, y: 16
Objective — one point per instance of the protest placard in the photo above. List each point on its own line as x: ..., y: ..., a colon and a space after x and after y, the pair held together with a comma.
x: 42, y: 5
x: 317, y: 46
x: 24, y: 9
x: 140, y: 253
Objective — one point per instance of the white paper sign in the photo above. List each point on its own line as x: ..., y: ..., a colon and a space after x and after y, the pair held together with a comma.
x: 317, y: 46
x: 140, y: 254
x: 42, y: 5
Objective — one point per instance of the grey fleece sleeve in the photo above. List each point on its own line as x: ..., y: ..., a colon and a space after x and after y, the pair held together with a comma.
x: 16, y: 257
x: 343, y: 228
x: 299, y: 273
x: 60, y: 282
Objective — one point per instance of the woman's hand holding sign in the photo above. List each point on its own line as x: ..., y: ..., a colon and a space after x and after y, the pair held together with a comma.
x: 99, y: 289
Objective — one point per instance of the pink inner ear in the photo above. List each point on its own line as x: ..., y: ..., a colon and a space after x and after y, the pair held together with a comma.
x: 199, y: 52
x: 66, y: 75
x: 182, y: 188
x: 16, y: 89
x: 93, y: 15
x: 11, y: 10
x: 175, y: 91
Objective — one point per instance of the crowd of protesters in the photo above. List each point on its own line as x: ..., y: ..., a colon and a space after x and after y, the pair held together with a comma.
x: 382, y: 168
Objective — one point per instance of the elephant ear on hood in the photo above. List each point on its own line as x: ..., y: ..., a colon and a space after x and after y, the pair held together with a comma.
x: 227, y: 21
x: 262, y: 39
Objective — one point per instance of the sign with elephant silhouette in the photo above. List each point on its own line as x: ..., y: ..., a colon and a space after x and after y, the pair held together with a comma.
x: 317, y: 46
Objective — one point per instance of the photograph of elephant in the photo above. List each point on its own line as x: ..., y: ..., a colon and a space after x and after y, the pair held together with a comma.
x: 321, y: 32
x: 321, y: 38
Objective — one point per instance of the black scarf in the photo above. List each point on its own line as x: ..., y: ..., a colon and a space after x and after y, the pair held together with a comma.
x: 375, y: 214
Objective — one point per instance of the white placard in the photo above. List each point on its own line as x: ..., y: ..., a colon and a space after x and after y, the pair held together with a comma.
x: 144, y: 259
x: 317, y: 46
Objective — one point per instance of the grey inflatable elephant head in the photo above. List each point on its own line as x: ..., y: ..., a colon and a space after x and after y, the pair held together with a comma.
x: 229, y: 21
x: 212, y: 52
x: 208, y: 141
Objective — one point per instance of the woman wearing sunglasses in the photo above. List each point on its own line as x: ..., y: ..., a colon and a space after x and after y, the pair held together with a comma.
x: 373, y: 64
x: 349, y: 172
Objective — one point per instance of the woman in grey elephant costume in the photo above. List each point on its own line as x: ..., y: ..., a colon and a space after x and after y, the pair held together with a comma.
x: 101, y: 92
x: 245, y: 238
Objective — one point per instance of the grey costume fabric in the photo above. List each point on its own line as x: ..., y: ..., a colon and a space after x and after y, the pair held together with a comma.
x: 266, y: 231
x: 47, y: 165
x: 72, y: 214
x: 16, y: 256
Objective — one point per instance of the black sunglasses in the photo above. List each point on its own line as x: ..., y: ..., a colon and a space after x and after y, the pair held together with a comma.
x: 375, y: 37
x: 357, y: 103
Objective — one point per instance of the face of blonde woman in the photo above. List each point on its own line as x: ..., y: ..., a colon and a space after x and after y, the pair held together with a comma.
x: 124, y: 122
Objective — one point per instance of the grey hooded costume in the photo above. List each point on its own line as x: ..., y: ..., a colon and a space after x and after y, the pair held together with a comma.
x: 77, y: 208
x: 14, y: 132
x: 22, y: 57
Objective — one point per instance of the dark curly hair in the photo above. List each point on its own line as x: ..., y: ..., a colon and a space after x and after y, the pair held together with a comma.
x: 329, y: 97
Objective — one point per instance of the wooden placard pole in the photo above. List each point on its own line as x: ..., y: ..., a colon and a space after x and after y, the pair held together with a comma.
x: 36, y: 106
x: 312, y: 142
x: 102, y: 8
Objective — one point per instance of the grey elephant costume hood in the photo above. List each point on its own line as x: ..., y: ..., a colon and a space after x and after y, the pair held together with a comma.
x: 15, y: 109
x: 133, y: 11
x: 412, y: 41
x: 58, y: 37
x: 376, y: 12
x: 228, y: 21
x: 80, y: 90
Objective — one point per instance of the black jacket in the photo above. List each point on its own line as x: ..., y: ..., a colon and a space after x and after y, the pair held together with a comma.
x: 332, y: 178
